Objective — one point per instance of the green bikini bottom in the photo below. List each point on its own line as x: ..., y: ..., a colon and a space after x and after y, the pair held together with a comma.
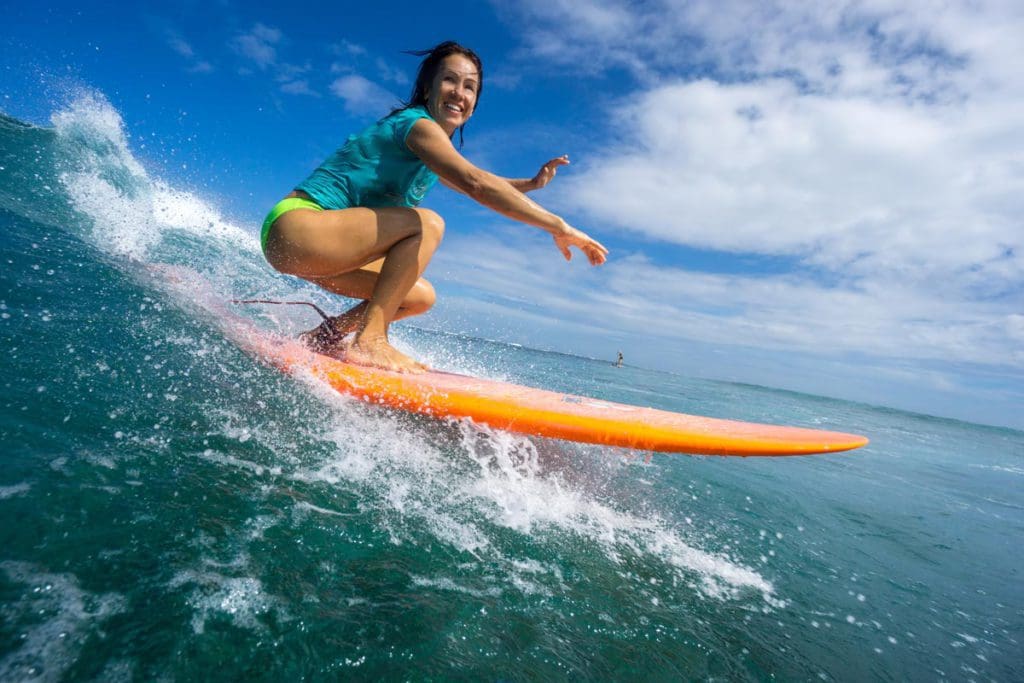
x: 281, y: 208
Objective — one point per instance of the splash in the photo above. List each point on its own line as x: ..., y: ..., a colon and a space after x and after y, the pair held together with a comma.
x: 132, y: 214
x: 468, y: 487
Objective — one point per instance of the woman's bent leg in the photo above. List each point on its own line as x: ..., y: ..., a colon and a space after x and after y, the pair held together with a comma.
x: 352, y: 250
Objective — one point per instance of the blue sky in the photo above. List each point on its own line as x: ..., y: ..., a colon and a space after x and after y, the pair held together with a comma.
x: 825, y: 199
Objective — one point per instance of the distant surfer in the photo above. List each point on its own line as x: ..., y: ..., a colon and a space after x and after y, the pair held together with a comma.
x: 352, y: 227
x: 618, y: 363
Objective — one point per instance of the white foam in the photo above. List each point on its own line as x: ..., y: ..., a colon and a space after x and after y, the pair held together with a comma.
x: 999, y: 468
x: 416, y: 484
x: 240, y: 599
x: 55, y: 617
x: 303, y: 506
x: 105, y: 182
x: 186, y: 212
x: 92, y: 122
x: 448, y: 584
x: 121, y: 225
x: 14, y: 490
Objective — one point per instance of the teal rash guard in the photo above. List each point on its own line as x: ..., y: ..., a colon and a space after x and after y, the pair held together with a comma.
x: 374, y: 168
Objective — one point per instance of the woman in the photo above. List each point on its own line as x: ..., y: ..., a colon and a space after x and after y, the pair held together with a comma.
x: 353, y: 228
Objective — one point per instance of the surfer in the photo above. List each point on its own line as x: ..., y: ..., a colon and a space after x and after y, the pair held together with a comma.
x: 353, y: 226
x: 618, y: 363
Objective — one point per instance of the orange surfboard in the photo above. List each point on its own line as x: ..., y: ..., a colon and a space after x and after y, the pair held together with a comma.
x: 538, y: 412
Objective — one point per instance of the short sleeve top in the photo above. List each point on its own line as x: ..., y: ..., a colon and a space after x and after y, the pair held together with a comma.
x: 374, y: 168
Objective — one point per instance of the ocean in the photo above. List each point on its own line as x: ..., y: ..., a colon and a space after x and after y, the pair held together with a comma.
x: 173, y: 509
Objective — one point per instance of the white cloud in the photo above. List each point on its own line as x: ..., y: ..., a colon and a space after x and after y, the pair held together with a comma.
x: 552, y: 31
x: 180, y: 46
x: 390, y: 73
x: 504, y: 79
x: 183, y: 48
x: 349, y: 48
x: 259, y: 45
x: 913, y: 47
x: 362, y: 96
x: 357, y: 59
x: 299, y: 87
x: 292, y: 79
x: 846, y: 183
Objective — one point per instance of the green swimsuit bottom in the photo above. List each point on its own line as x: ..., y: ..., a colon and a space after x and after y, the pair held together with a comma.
x: 281, y: 208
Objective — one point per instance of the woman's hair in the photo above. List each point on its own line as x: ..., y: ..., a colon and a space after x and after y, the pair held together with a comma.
x: 432, y: 59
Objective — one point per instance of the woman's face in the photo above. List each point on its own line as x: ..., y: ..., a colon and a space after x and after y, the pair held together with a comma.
x: 452, y: 94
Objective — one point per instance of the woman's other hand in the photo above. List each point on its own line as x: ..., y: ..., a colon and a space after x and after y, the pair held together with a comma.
x: 548, y: 171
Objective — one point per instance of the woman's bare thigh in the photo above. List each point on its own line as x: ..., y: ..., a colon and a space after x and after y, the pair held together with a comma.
x: 316, y: 244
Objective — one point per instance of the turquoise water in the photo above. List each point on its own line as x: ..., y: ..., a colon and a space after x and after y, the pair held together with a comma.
x: 173, y: 509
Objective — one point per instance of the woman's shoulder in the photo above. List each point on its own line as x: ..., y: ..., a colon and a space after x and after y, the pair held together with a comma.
x: 402, y: 120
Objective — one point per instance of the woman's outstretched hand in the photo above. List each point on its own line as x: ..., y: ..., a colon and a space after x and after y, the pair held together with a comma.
x: 596, y: 252
x: 548, y: 171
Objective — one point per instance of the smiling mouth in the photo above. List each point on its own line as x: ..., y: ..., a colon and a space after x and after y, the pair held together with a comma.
x: 453, y: 108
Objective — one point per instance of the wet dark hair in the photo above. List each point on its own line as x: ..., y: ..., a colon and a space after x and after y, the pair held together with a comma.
x: 429, y: 67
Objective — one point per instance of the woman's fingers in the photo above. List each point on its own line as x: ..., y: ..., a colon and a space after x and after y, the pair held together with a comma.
x: 552, y: 166
x: 548, y: 170
x: 595, y: 252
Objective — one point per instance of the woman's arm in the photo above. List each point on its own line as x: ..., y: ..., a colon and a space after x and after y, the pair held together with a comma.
x: 523, y: 185
x: 428, y: 141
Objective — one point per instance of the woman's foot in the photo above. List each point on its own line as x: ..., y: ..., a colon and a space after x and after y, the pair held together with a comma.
x: 323, y: 339
x: 378, y: 353
x: 328, y: 338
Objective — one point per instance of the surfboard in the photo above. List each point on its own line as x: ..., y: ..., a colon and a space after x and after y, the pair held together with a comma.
x: 539, y: 412
x: 511, y: 407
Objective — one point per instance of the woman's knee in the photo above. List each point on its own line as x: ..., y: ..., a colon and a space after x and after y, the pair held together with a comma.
x: 420, y: 298
x: 432, y: 224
